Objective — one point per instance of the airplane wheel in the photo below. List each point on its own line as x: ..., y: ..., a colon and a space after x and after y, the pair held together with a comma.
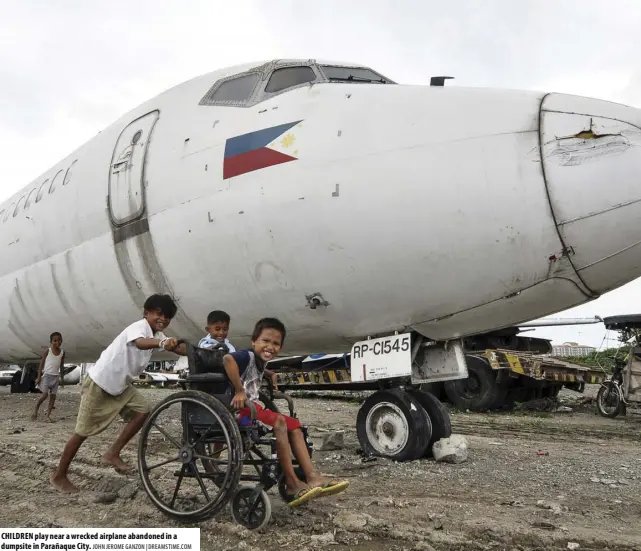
x: 438, y: 414
x: 393, y: 424
x: 480, y: 391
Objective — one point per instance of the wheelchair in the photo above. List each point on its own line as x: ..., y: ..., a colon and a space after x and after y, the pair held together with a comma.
x: 193, y: 461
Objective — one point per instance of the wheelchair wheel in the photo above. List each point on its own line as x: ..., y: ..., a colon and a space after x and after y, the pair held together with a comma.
x: 181, y: 474
x: 282, y: 487
x: 251, y: 510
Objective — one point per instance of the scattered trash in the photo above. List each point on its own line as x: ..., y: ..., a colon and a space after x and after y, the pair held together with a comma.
x: 451, y: 450
x: 324, y: 539
x: 554, y: 507
x: 542, y: 453
x: 332, y: 441
x: 573, y: 545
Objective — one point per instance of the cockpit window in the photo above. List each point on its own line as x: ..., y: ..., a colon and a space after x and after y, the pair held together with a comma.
x: 288, y: 77
x: 352, y: 74
x: 233, y: 91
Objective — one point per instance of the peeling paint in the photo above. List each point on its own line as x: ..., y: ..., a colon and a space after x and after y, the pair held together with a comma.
x: 589, y: 144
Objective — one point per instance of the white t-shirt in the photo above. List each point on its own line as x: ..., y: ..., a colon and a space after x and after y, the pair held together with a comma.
x: 122, y: 362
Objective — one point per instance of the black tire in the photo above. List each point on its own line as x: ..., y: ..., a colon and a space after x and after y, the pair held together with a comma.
x: 438, y: 414
x: 551, y: 391
x: 228, y: 483
x: 252, y: 516
x: 393, y: 424
x: 609, y: 392
x: 480, y: 391
x: 20, y: 388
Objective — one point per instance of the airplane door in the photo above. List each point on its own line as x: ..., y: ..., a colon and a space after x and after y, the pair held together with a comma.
x: 127, y: 170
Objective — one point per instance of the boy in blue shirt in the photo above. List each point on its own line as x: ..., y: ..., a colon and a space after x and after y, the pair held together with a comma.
x: 217, y: 331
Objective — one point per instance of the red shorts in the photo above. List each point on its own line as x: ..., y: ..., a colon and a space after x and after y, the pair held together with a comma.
x: 267, y: 417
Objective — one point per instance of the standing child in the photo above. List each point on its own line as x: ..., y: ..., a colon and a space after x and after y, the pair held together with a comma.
x: 245, y: 370
x: 50, y: 372
x: 217, y: 331
x: 107, y: 390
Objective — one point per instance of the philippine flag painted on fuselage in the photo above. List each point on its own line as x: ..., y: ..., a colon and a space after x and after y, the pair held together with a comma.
x: 255, y: 150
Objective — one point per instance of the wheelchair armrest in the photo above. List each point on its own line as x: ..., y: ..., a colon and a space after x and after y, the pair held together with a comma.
x: 253, y: 413
x: 288, y: 399
x: 206, y: 378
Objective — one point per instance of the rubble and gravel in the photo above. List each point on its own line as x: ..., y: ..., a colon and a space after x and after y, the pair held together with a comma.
x: 532, y: 480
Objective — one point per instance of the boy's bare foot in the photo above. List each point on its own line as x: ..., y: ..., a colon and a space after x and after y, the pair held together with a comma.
x: 118, y: 464
x: 62, y: 483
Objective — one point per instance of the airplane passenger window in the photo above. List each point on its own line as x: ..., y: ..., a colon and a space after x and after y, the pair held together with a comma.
x: 352, y: 74
x: 235, y: 90
x: 287, y: 77
x: 30, y: 198
x: 41, y: 191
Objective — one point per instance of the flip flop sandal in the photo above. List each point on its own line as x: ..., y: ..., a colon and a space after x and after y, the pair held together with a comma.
x: 304, y: 496
x: 333, y: 487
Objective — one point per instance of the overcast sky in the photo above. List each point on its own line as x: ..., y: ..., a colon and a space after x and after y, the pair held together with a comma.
x: 70, y: 68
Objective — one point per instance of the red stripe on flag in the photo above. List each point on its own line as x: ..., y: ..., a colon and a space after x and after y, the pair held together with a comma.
x: 253, y: 160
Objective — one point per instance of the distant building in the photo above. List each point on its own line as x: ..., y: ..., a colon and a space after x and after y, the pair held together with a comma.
x: 572, y: 349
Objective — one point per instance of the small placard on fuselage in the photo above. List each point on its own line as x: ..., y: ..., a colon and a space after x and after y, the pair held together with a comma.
x: 383, y: 358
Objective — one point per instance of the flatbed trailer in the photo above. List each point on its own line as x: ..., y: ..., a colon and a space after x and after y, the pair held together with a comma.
x: 494, y: 378
x: 333, y: 371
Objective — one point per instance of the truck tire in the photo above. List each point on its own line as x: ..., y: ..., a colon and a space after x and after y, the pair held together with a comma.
x: 19, y: 388
x: 480, y: 391
x: 438, y: 414
x: 393, y: 424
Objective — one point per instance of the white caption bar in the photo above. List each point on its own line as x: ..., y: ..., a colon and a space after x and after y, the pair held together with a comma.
x: 86, y: 539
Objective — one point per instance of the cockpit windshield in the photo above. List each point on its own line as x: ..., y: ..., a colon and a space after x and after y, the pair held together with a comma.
x: 353, y: 74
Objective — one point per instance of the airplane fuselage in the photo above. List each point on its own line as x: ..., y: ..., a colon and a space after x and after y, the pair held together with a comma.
x: 346, y: 210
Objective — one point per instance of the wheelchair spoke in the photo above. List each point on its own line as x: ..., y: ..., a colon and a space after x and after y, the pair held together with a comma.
x: 167, y: 436
x: 209, y: 458
x: 163, y: 463
x: 180, y: 479
x: 200, y: 480
x: 202, y: 436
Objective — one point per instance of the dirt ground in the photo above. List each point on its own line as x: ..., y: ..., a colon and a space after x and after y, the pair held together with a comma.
x: 534, y: 480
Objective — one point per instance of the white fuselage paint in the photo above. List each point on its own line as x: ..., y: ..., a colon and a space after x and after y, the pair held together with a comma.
x: 432, y: 208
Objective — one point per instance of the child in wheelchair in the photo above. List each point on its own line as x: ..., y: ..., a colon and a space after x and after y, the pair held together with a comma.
x: 245, y: 370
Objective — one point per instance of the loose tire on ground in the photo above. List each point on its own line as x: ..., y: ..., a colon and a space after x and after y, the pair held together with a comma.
x: 393, y: 424
x: 438, y: 414
x: 480, y: 391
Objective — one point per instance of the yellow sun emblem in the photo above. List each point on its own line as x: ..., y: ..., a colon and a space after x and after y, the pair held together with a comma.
x: 288, y: 140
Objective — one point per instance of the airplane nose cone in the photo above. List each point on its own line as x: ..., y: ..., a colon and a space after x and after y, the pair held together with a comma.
x: 591, y: 154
